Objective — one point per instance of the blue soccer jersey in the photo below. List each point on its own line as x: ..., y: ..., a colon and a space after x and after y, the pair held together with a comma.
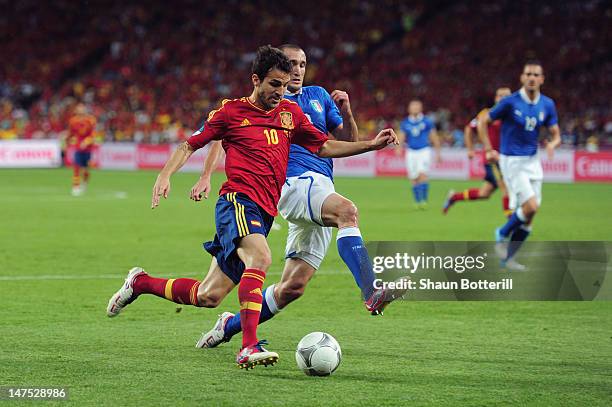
x: 417, y: 131
x: 521, y: 121
x: 321, y: 110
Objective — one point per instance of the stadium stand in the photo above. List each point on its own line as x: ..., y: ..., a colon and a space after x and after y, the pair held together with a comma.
x: 150, y: 71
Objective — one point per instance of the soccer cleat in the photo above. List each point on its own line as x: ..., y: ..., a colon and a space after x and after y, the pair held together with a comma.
x: 125, y: 295
x: 501, y: 244
x: 513, y: 265
x: 251, y: 356
x: 215, y: 336
x: 423, y: 205
x: 382, y: 297
x: 77, y: 191
x: 449, y: 201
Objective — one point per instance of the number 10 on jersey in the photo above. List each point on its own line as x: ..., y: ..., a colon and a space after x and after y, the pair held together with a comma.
x: 271, y: 135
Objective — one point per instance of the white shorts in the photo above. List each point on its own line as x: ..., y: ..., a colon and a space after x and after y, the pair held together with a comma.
x: 300, y: 204
x: 418, y: 162
x: 523, y: 177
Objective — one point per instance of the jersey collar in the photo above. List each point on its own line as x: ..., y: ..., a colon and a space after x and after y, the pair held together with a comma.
x: 524, y: 96
x: 299, y: 92
x: 416, y: 118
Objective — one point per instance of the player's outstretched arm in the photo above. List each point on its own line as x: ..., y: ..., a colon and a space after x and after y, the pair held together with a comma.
x: 162, y: 185
x: 336, y: 149
x: 215, y: 151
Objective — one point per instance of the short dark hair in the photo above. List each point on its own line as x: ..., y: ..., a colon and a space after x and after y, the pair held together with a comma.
x: 290, y: 46
x: 534, y: 62
x: 269, y: 58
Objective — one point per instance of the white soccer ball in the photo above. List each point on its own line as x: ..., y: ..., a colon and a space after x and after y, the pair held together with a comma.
x: 318, y: 354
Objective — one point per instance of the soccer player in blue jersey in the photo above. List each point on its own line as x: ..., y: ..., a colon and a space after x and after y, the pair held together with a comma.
x: 418, y: 132
x: 522, y: 114
x: 311, y: 206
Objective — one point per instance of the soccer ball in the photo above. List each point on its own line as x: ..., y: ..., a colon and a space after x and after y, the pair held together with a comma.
x: 318, y: 354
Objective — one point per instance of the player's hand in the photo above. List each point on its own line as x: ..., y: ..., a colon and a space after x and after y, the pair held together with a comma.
x: 438, y: 157
x: 550, y: 152
x: 161, y: 188
x: 200, y: 187
x: 342, y: 100
x: 492, y: 156
x: 384, y: 138
x: 470, y: 154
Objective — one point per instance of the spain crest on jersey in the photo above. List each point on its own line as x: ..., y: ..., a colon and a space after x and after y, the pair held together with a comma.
x: 287, y: 120
x: 316, y: 105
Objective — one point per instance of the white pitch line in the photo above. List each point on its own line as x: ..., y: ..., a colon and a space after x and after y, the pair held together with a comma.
x: 49, y: 277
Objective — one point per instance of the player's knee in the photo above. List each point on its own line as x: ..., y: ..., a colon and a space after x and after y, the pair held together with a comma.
x: 261, y: 260
x: 290, y: 291
x: 209, y: 299
x: 348, y: 213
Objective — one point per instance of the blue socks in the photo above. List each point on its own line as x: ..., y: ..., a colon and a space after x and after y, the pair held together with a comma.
x: 269, y: 308
x: 421, y: 192
x: 354, y: 253
x: 516, y: 220
x: 516, y: 241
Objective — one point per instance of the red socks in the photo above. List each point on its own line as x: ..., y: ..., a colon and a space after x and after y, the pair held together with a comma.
x: 76, y: 179
x: 180, y: 290
x: 467, y: 195
x: 249, y: 295
x: 506, y: 205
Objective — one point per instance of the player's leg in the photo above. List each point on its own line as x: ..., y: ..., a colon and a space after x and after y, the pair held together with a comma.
x: 340, y: 212
x: 412, y: 167
x: 306, y: 248
x: 527, y: 196
x: 520, y: 234
x: 180, y: 290
x: 254, y: 252
x: 76, y: 174
x: 85, y: 170
x: 471, y: 194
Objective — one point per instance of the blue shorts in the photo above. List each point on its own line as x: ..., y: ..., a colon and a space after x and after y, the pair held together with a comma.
x: 81, y: 158
x: 492, y: 174
x: 236, y: 216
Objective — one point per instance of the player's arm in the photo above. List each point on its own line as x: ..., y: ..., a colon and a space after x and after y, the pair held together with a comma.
x: 467, y: 140
x: 554, y: 142
x: 347, y: 130
x: 401, y: 140
x: 483, y: 136
x: 162, y: 185
x: 552, y: 122
x: 215, y: 151
x: 336, y: 148
x: 434, y: 137
x: 213, y: 129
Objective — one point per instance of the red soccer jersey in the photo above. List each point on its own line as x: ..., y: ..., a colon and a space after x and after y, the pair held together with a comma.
x: 81, y: 130
x: 256, y: 144
x: 494, y: 129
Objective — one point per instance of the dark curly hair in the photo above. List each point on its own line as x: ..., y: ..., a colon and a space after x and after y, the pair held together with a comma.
x: 269, y: 58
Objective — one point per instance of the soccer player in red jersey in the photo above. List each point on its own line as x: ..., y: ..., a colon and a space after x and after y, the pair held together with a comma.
x: 256, y: 132
x: 493, y: 178
x: 81, y: 128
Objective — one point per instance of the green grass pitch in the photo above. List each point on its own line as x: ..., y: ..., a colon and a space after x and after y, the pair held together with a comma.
x: 61, y: 258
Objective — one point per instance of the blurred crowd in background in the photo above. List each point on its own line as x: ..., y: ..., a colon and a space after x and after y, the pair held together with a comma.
x: 151, y: 71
